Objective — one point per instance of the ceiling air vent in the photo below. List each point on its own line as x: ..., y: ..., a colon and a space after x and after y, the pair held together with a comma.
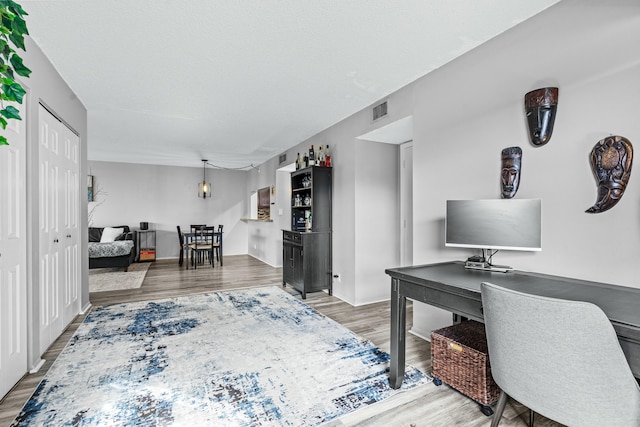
x: 380, y: 110
x: 282, y: 158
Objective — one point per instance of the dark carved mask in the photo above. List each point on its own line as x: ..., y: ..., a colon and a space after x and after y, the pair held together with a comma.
x: 611, y: 161
x: 541, y: 105
x: 510, y: 174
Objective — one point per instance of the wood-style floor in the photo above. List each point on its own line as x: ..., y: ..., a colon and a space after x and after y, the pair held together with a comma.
x: 425, y: 406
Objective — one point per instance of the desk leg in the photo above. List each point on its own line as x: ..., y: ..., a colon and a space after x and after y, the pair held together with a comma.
x: 398, y: 334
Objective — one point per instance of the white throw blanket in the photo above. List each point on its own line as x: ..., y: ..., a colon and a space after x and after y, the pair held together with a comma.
x: 110, y: 249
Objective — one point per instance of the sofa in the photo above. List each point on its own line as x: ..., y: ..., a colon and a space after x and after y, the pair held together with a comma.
x: 111, y: 247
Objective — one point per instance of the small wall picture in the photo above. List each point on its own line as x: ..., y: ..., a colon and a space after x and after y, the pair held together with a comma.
x: 90, y: 187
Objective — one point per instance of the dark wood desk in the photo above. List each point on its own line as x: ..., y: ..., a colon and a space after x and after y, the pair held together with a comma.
x: 188, y: 237
x: 453, y: 288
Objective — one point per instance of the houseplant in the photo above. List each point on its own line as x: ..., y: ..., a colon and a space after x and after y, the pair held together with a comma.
x: 13, y: 28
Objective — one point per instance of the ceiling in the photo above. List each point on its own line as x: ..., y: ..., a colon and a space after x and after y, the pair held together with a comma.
x: 171, y: 82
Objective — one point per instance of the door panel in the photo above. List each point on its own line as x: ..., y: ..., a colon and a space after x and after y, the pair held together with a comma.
x: 13, y: 256
x: 59, y: 227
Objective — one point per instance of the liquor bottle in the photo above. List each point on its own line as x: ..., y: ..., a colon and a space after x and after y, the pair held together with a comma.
x: 327, y: 156
x: 298, y: 162
x: 306, y: 160
x: 312, y: 158
x: 320, y: 156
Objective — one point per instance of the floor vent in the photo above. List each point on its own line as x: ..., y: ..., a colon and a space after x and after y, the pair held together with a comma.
x: 380, y: 110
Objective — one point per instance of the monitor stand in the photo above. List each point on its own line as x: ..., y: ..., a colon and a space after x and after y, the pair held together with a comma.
x: 481, y: 263
x: 488, y: 267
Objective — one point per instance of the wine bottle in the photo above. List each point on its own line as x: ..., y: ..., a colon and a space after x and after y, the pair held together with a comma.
x: 298, y: 162
x: 312, y: 159
x: 327, y: 156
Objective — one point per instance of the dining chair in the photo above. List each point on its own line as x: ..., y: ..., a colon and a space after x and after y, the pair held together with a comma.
x: 216, y: 243
x: 201, y: 247
x: 560, y: 358
x: 182, y: 246
x: 194, y: 229
x: 197, y: 227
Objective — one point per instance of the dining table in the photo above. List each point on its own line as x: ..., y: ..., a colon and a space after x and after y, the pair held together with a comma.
x: 191, y: 236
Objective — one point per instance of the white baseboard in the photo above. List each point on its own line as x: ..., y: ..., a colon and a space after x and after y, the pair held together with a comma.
x: 85, y: 309
x: 420, y: 335
x: 266, y: 262
x: 36, y: 368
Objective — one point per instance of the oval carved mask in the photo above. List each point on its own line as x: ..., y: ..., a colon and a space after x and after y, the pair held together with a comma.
x: 611, y: 161
x: 540, y: 106
x: 510, y: 173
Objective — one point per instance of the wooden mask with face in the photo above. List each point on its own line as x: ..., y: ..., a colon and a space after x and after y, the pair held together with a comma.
x: 540, y: 106
x: 510, y: 173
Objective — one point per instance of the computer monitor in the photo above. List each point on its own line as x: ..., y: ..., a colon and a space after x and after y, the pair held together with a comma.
x: 506, y: 224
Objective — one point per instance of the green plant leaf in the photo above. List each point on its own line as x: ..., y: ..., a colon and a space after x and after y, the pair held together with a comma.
x: 19, y: 25
x: 11, y: 112
x: 8, y: 71
x: 7, y: 17
x: 6, y: 51
x: 18, y: 66
x: 14, y: 91
x: 17, y: 39
x: 3, y: 123
x: 13, y: 6
x: 3, y: 140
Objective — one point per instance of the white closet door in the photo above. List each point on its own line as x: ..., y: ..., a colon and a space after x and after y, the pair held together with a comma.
x: 70, y: 274
x: 13, y: 256
x: 58, y: 227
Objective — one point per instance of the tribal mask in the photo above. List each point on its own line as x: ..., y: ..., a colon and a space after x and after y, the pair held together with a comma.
x: 540, y: 106
x: 611, y: 161
x: 510, y: 174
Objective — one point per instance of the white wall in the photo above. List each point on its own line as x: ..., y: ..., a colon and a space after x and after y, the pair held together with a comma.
x: 167, y: 196
x: 47, y: 86
x: 377, y: 213
x: 356, y: 165
x: 469, y: 110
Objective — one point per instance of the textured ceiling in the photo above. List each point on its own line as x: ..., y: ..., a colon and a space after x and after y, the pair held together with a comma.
x: 170, y: 82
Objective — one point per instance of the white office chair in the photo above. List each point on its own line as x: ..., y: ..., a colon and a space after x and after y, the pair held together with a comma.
x: 560, y: 358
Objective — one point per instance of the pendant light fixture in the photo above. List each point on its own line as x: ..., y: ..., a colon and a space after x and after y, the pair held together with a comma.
x: 204, y: 187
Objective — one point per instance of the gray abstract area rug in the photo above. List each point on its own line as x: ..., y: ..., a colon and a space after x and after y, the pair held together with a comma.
x: 111, y: 279
x: 250, y: 357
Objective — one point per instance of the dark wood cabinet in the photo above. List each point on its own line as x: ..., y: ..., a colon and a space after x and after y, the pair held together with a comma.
x: 307, y: 264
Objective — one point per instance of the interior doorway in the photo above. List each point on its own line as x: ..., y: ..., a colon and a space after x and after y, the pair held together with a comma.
x: 282, y: 216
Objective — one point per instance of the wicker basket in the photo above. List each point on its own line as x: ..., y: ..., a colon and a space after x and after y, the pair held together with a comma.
x: 460, y: 359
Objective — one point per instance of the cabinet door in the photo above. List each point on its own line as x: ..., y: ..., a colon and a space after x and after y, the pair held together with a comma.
x: 287, y: 264
x: 298, y: 266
